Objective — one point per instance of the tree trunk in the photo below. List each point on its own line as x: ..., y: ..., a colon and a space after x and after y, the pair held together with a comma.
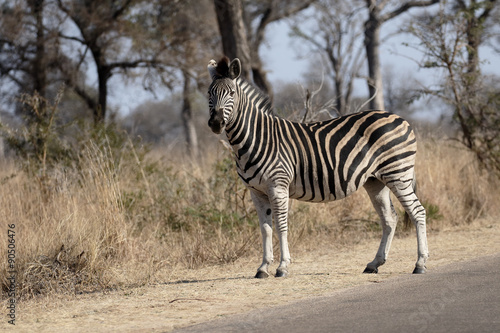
x: 372, y: 45
x: 473, y: 41
x: 338, y: 79
x: 187, y: 118
x: 340, y: 99
x: 256, y: 37
x: 475, y: 29
x: 233, y: 33
x: 260, y: 79
x: 39, y: 70
x: 103, y: 74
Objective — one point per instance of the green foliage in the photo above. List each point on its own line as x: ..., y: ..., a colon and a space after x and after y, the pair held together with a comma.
x: 181, y: 201
x: 38, y: 142
x: 450, y: 41
x: 432, y: 212
x: 46, y: 146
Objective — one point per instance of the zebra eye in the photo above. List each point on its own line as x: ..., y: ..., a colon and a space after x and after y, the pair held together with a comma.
x: 231, y: 93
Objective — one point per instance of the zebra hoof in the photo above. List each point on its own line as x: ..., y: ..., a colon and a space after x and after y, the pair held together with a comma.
x: 261, y: 275
x: 281, y: 273
x: 369, y: 270
x: 419, y: 270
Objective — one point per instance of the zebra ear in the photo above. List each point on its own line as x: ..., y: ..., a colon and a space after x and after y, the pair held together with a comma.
x: 234, y: 69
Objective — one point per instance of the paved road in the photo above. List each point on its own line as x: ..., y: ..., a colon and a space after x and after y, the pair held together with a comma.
x: 463, y: 297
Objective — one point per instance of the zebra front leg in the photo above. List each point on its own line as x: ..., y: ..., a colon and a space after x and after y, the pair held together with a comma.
x: 279, y: 200
x: 264, y: 212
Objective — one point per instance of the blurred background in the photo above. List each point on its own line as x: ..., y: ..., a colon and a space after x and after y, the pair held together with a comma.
x: 109, y: 171
x: 141, y: 65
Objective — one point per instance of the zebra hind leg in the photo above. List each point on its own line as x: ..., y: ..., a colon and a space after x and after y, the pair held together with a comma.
x: 381, y: 200
x: 405, y: 192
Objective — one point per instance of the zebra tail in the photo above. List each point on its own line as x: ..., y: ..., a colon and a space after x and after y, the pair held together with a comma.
x: 407, y: 224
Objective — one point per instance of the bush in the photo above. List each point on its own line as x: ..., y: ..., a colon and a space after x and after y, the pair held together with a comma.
x: 119, y: 214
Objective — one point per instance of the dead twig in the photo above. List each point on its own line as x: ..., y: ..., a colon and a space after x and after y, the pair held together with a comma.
x: 193, y: 299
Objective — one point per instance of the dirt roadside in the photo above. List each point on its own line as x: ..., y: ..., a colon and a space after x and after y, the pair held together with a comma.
x: 195, y: 296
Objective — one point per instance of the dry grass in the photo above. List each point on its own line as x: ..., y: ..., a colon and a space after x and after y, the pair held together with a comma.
x: 121, y: 220
x: 187, y: 296
x: 450, y: 179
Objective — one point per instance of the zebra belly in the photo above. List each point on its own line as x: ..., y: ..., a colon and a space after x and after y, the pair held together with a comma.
x: 322, y: 192
x: 328, y: 187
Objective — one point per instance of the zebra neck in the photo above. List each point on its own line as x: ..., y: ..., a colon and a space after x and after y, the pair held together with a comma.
x: 252, y: 125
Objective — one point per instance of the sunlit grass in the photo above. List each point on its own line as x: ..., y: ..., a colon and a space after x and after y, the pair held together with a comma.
x: 123, y: 216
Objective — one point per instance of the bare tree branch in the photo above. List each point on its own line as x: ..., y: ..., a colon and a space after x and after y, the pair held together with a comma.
x: 405, y: 7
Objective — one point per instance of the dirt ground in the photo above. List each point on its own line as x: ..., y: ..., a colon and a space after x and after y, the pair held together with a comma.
x: 194, y: 296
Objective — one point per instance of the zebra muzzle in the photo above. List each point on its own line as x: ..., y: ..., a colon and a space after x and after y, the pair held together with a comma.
x: 216, y: 122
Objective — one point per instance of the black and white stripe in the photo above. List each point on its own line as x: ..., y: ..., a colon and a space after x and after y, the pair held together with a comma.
x: 323, y: 161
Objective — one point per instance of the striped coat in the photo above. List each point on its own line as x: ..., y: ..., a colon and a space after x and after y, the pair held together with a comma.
x: 323, y: 161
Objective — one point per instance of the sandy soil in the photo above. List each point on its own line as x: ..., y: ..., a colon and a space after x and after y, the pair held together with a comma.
x: 194, y: 296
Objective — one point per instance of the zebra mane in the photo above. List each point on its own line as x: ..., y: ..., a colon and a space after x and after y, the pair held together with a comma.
x: 263, y: 101
x: 222, y: 68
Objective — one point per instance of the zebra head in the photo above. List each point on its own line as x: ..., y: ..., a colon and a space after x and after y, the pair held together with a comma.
x: 222, y: 92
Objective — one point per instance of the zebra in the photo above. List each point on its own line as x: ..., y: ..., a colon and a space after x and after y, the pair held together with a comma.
x: 278, y: 159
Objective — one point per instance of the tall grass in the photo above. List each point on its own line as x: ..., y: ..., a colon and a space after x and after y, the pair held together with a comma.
x: 125, y: 215
x: 451, y: 180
